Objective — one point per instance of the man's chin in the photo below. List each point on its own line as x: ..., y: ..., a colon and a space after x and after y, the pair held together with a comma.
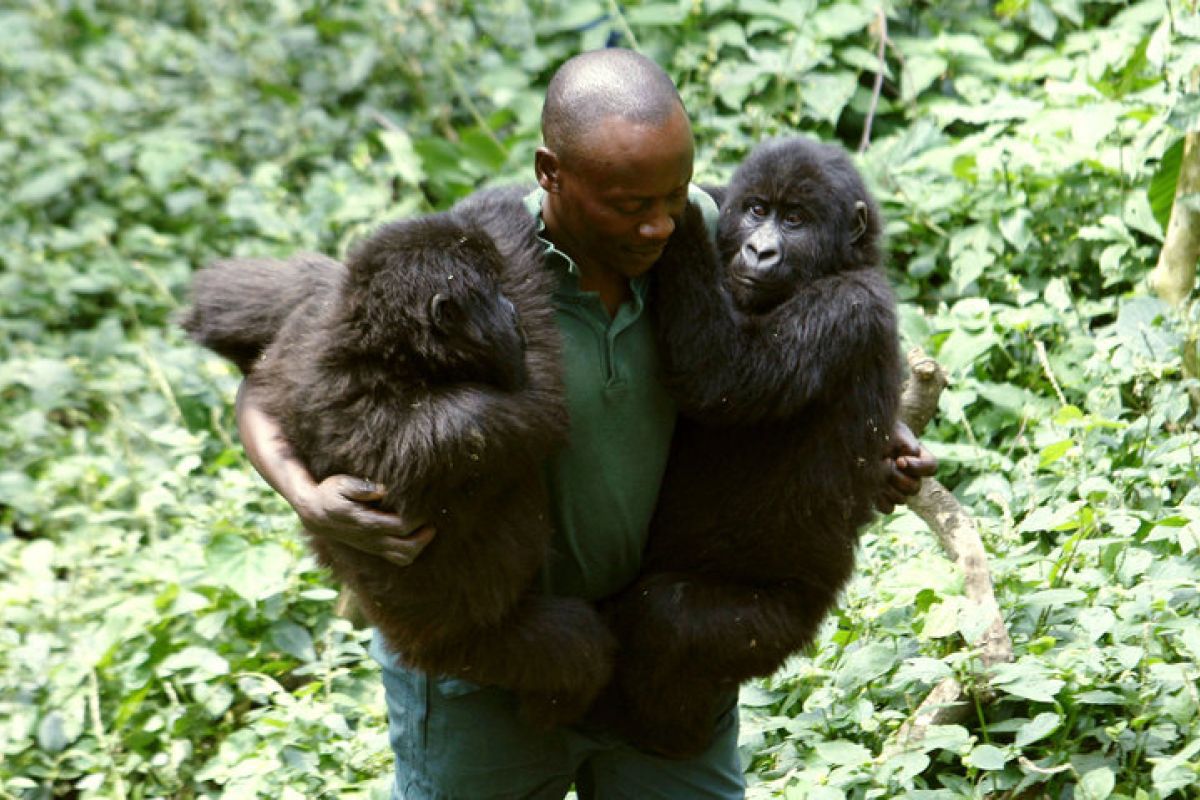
x: 638, y: 262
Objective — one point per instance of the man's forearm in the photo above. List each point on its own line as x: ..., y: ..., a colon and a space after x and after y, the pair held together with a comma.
x: 268, y: 450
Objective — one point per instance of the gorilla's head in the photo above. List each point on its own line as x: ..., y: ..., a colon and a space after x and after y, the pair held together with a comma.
x: 425, y: 292
x: 795, y: 210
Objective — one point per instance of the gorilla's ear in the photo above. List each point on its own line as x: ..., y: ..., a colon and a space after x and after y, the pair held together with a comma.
x: 437, y: 309
x: 861, y: 219
x: 443, y: 312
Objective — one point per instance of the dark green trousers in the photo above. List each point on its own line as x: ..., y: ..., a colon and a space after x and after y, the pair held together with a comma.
x: 455, y: 740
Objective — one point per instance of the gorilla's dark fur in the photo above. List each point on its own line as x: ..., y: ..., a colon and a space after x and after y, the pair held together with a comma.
x: 434, y: 369
x: 239, y: 304
x: 781, y: 351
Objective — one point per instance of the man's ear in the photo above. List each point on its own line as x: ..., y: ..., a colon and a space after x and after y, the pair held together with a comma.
x: 546, y: 166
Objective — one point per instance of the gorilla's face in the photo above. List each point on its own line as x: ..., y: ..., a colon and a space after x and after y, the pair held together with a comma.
x: 795, y: 211
x: 616, y: 199
x: 782, y: 243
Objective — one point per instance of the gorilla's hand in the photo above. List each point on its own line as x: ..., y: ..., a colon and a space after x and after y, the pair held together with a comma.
x: 339, y: 508
x: 906, y: 462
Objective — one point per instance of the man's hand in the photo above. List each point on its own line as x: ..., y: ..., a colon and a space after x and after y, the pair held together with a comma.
x: 339, y: 508
x: 905, y: 463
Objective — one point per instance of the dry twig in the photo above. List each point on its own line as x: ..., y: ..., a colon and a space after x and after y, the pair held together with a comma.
x: 959, y: 536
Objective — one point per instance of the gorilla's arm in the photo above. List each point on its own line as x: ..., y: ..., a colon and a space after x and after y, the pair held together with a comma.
x: 459, y: 432
x: 686, y: 644
x: 240, y: 304
x: 715, y: 626
x: 830, y: 329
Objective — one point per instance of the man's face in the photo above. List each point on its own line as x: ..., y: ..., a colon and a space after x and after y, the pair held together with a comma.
x: 616, y: 198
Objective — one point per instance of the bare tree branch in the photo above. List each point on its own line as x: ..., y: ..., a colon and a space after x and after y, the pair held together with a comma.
x: 880, y: 28
x: 958, y: 535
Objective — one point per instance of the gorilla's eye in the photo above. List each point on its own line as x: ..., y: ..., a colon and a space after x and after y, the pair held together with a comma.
x: 793, y: 218
x: 756, y: 207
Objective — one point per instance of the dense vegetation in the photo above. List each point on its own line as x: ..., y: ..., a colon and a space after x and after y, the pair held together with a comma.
x: 164, y: 633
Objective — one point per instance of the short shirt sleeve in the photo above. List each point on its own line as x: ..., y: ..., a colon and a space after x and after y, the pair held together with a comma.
x: 708, y: 207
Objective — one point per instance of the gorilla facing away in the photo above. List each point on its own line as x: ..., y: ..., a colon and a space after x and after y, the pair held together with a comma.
x: 431, y: 365
x: 239, y: 304
x: 781, y: 350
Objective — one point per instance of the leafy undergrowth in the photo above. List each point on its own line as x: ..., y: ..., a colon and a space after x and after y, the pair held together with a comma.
x: 164, y: 633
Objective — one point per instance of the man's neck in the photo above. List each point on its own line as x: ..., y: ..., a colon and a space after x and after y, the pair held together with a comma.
x: 612, y: 287
x: 594, y: 276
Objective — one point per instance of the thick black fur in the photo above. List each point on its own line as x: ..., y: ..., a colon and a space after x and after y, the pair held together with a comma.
x: 239, y: 304
x: 787, y: 403
x: 434, y: 369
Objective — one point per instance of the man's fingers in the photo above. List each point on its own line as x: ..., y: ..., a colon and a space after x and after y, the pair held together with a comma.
x: 403, y: 552
x: 359, y: 490
x: 380, y: 523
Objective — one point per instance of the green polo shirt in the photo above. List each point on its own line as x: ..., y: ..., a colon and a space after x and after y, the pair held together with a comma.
x: 604, y: 483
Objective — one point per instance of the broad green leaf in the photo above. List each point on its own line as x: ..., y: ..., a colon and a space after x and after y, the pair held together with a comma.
x: 1037, y: 729
x: 658, y: 14
x: 968, y: 266
x: 1054, y: 452
x: 825, y: 95
x: 293, y: 640
x: 1097, y: 784
x: 49, y: 184
x: 1061, y: 516
x: 405, y: 160
x: 962, y: 349
x: 924, y: 670
x: 1100, y: 698
x: 165, y: 158
x: 1042, y: 20
x: 843, y: 753
x: 1015, y: 228
x: 1186, y: 114
x: 951, y: 738
x: 919, y: 72
x: 1142, y: 328
x: 254, y: 571
x: 52, y: 733
x: 1161, y: 191
x: 905, y: 766
x: 986, y: 757
x: 942, y: 618
x: 1175, y: 772
x: 866, y: 664
x: 1053, y: 597
x: 1096, y: 621
x: 200, y: 664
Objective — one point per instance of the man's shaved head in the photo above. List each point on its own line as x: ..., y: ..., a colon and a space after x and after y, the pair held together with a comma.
x: 596, y: 85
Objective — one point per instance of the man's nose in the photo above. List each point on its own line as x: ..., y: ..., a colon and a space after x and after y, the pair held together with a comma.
x: 660, y: 226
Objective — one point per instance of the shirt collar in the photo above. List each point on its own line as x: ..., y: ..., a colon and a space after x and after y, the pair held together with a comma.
x: 564, y: 265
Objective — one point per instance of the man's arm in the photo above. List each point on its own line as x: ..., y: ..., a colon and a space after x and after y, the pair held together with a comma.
x: 337, y: 507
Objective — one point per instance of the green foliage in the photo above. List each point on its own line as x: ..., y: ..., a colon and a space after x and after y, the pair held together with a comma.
x: 166, y: 635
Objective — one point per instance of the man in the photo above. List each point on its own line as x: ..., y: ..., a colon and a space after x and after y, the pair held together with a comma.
x: 614, y: 175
